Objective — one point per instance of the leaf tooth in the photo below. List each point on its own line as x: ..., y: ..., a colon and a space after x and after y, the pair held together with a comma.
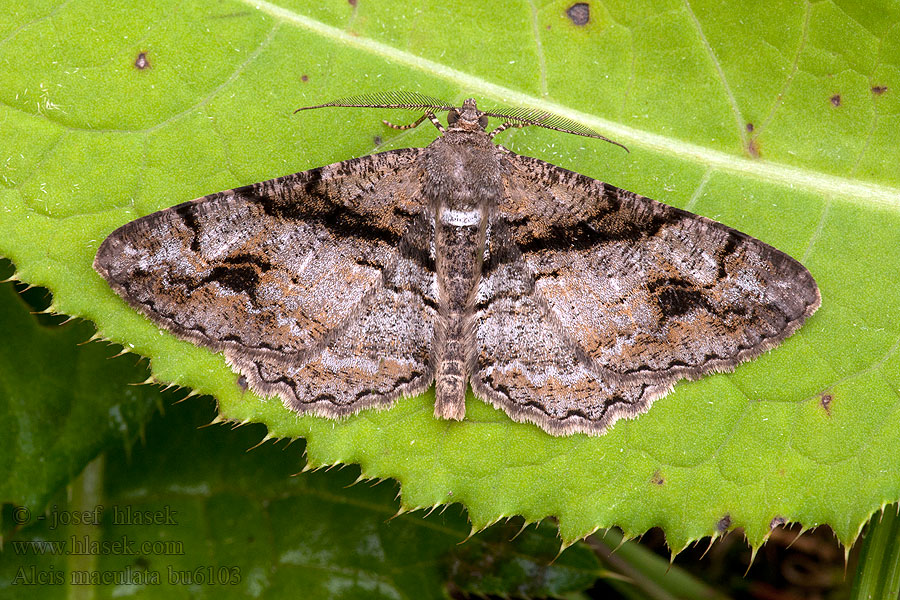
x: 563, y: 545
x: 359, y: 479
x: 52, y: 309
x: 712, y: 540
x: 264, y: 439
x: 521, y: 529
x: 478, y: 528
x: 293, y: 439
x: 186, y: 396
x: 401, y: 510
x: 217, y: 419
x: 151, y: 380
x: 97, y: 336
x: 754, y: 549
x: 626, y: 537
x: 235, y: 424
x: 125, y: 350
x: 472, y: 533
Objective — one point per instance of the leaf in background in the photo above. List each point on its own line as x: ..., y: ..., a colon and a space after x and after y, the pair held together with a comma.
x: 235, y: 524
x: 62, y: 402
x: 780, y: 119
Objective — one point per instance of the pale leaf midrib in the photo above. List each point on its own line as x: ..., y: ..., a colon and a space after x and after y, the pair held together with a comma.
x: 797, y: 177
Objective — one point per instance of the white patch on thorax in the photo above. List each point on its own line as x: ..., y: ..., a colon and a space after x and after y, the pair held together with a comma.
x: 460, y: 218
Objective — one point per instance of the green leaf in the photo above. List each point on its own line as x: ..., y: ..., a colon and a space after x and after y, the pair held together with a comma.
x: 54, y: 391
x: 878, y: 571
x: 780, y: 120
x: 232, y: 523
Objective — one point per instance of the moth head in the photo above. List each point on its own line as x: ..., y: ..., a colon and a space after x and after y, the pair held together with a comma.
x: 467, y: 117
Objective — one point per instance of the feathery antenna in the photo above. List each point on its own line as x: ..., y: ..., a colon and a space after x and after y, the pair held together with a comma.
x: 407, y: 100
x: 512, y: 117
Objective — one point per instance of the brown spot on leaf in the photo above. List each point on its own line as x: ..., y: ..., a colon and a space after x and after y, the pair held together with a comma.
x: 377, y: 140
x: 352, y: 3
x: 723, y: 524
x: 657, y: 478
x: 825, y: 400
x: 242, y: 383
x: 579, y: 13
x: 750, y: 127
x: 304, y: 78
x: 141, y: 61
x: 753, y: 148
x: 836, y: 100
x: 777, y: 521
x: 879, y: 89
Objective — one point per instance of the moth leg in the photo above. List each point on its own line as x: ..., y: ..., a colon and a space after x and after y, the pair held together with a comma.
x: 417, y: 122
x: 507, y: 125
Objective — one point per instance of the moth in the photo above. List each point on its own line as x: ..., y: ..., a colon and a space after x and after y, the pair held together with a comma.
x: 562, y: 300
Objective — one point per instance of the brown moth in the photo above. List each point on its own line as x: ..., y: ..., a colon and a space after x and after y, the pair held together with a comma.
x: 562, y: 300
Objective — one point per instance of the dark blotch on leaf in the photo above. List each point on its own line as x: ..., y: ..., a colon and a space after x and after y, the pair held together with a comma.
x: 579, y: 13
x: 377, y: 140
x: 777, y: 522
x: 836, y: 100
x: 242, y: 383
x: 879, y: 89
x: 657, y: 478
x: 750, y: 127
x: 352, y: 3
x: 825, y: 401
x: 304, y: 78
x: 723, y: 524
x: 141, y: 61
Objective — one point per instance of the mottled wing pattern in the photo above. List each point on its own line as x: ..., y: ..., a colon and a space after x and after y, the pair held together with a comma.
x: 383, y: 352
x: 637, y: 293
x: 528, y: 365
x: 306, y: 274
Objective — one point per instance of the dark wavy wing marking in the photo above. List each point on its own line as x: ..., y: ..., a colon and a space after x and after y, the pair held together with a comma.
x: 647, y: 291
x: 269, y: 269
